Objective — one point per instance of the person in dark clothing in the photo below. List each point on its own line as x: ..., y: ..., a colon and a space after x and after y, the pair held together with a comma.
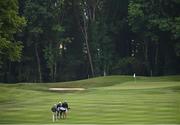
x: 59, y: 112
x: 54, y: 111
x: 66, y: 108
x: 65, y: 104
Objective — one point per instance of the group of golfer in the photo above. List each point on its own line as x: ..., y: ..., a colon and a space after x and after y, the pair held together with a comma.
x: 60, y: 110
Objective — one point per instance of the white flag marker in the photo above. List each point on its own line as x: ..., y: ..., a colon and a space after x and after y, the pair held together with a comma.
x: 134, y: 75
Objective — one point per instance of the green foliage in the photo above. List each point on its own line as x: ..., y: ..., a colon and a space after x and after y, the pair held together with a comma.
x: 45, y: 31
x: 125, y: 65
x: 176, y: 27
x: 102, y: 47
x: 136, y: 16
x: 10, y: 23
x: 57, y: 28
x: 123, y: 36
x: 154, y: 26
x: 49, y: 56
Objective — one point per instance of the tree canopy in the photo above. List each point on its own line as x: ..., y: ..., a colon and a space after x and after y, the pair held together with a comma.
x: 10, y: 23
x: 60, y: 40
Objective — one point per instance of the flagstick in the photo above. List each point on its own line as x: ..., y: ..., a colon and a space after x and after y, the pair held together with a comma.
x: 134, y: 78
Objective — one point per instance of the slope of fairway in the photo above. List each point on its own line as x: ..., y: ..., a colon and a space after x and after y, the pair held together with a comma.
x: 142, y: 85
x: 94, y: 82
x: 106, y: 100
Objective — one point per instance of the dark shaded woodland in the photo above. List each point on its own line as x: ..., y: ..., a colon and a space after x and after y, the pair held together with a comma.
x: 61, y: 40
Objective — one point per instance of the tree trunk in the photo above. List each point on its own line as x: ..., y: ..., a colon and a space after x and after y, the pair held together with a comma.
x: 156, y: 59
x: 92, y: 9
x: 104, y: 73
x: 52, y: 73
x: 146, y: 58
x: 84, y: 31
x: 89, y: 54
x: 38, y: 64
x: 55, y: 71
x: 83, y: 28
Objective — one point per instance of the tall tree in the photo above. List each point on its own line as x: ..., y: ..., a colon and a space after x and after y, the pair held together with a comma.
x: 153, y: 23
x: 10, y: 24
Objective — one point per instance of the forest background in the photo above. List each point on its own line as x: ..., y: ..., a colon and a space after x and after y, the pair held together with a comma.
x: 62, y: 40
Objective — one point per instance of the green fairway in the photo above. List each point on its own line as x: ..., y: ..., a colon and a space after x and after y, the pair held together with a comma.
x: 106, y: 100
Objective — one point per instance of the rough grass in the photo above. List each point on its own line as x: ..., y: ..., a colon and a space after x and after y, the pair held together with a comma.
x: 107, y: 100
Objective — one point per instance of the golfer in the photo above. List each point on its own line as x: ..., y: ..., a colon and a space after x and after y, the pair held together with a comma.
x: 65, y: 107
x: 54, y: 111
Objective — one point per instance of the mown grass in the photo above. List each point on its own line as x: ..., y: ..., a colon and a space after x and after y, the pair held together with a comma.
x: 107, y: 100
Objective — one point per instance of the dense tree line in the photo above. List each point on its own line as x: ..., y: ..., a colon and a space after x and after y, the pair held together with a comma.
x: 60, y: 40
